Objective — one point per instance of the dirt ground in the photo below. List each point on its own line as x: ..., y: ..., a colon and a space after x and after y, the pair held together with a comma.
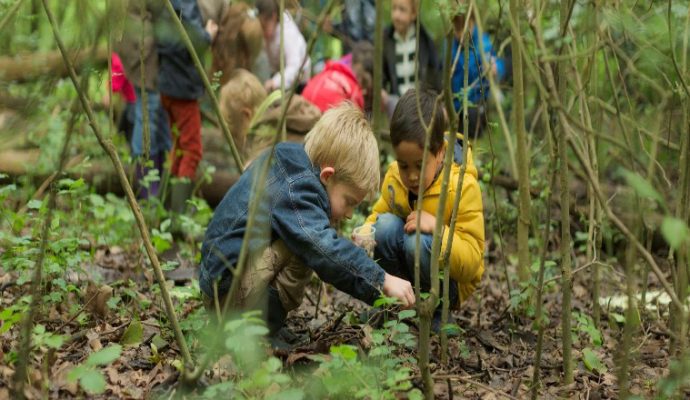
x: 499, y: 344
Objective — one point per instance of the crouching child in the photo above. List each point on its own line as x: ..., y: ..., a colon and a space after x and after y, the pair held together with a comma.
x: 394, y: 214
x: 309, y: 189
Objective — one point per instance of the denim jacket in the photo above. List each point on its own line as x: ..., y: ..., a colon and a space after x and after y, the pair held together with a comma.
x: 294, y: 208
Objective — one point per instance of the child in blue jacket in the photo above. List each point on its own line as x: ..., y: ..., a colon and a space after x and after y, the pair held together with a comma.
x: 309, y: 189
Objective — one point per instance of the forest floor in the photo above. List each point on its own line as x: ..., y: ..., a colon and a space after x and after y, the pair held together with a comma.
x: 492, y: 358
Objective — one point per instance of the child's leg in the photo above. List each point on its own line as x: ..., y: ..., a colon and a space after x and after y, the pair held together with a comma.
x: 425, y: 263
x: 389, y: 250
x: 186, y: 116
x: 274, y: 281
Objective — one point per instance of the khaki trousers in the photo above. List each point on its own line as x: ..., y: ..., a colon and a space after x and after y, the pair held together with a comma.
x: 277, y: 267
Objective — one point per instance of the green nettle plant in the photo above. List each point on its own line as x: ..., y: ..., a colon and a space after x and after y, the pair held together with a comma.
x: 89, y: 374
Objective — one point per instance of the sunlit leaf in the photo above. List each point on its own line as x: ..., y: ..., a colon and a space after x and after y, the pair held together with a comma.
x: 592, y: 361
x: 105, y: 356
x: 675, y: 231
x: 133, y: 334
x: 92, y: 381
x: 642, y: 186
x: 34, y: 204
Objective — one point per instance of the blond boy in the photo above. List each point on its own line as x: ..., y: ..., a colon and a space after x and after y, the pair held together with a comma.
x: 309, y: 189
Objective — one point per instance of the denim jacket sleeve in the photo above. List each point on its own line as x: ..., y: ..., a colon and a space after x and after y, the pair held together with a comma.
x: 301, y: 220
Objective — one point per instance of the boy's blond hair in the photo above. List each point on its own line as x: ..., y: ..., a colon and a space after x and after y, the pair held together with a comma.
x: 243, y: 90
x: 343, y: 139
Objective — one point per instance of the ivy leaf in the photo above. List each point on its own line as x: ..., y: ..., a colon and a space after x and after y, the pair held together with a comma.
x: 92, y: 381
x: 105, y: 356
x: 592, y: 361
x: 674, y: 230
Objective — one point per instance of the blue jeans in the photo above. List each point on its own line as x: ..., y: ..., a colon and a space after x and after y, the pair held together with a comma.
x: 395, y: 253
x: 159, y: 128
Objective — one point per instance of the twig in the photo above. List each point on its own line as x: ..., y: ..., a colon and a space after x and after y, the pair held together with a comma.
x: 81, y: 309
x: 475, y: 383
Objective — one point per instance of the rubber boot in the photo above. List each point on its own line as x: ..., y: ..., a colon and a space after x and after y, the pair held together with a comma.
x: 180, y: 192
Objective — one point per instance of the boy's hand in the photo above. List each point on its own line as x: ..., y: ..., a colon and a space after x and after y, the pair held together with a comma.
x: 212, y: 29
x: 427, y: 222
x: 400, y: 289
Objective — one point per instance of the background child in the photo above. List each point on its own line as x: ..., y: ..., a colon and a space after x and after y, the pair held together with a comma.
x: 399, y: 53
x: 139, y: 53
x: 294, y: 46
x: 310, y: 188
x: 394, y: 214
x: 478, y: 90
x: 340, y: 82
x: 239, y: 41
x: 181, y: 86
x: 239, y: 99
x: 121, y: 85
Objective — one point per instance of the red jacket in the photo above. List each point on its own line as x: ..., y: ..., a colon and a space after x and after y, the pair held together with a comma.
x: 335, y: 84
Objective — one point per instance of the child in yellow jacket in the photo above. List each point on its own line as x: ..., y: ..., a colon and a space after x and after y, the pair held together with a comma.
x: 394, y: 214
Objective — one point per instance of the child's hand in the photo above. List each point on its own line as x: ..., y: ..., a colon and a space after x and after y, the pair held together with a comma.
x: 400, y: 289
x: 212, y: 29
x: 427, y: 222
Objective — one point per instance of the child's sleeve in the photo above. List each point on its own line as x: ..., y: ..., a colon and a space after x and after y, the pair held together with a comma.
x: 301, y: 221
x: 466, y: 256
x: 295, y: 49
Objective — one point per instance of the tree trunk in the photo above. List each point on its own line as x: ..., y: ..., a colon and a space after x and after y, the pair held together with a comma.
x: 27, y: 67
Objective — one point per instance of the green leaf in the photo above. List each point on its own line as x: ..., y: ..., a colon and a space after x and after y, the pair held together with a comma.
x: 404, y: 314
x: 592, y: 361
x: 92, y: 381
x: 289, y: 394
x: 133, y: 335
x: 105, y: 356
x: 34, y: 204
x: 385, y: 301
x: 76, y: 373
x: 54, y: 341
x: 347, y: 352
x: 642, y: 186
x: 674, y: 230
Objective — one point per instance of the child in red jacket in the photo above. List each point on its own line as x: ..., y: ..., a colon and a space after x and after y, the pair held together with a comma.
x: 340, y: 82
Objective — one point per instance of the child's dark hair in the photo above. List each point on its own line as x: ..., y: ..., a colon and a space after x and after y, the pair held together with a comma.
x: 363, y: 54
x: 267, y: 8
x: 406, y: 125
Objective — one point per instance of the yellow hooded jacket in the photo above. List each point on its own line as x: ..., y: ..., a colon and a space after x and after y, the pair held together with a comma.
x: 467, y: 253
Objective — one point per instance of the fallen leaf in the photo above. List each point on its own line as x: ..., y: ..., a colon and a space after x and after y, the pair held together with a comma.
x: 133, y: 335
